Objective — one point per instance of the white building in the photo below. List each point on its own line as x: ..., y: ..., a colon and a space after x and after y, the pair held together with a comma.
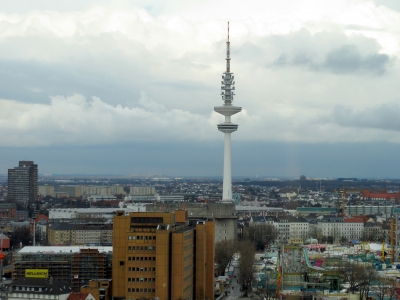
x: 339, y: 227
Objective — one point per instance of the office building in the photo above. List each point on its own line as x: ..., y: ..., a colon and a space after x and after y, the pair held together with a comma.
x: 163, y: 255
x: 23, y: 183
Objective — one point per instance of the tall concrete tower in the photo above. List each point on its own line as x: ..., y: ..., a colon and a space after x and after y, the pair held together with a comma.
x: 228, y: 87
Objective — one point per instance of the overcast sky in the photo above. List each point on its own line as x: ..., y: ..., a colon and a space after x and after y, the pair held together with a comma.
x: 129, y: 87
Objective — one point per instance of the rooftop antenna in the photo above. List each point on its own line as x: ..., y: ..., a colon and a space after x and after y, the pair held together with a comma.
x: 228, y: 54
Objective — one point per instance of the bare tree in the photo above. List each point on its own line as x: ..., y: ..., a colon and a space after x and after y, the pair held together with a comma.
x: 224, y: 250
x: 358, y: 276
x: 367, y: 275
x: 265, y: 293
x: 261, y: 235
x: 385, y: 288
x: 317, y: 234
x: 247, y: 252
x: 349, y: 273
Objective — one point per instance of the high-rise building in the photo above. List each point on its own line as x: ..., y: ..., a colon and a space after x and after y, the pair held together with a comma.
x: 23, y: 183
x: 228, y: 87
x: 163, y: 255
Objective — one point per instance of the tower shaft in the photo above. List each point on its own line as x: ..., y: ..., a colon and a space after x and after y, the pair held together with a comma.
x: 227, y: 181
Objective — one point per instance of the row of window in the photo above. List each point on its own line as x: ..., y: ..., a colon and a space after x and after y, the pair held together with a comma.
x: 132, y: 269
x: 136, y: 248
x: 188, y: 247
x: 132, y: 290
x: 33, y: 296
x: 141, y: 279
x: 141, y: 237
x: 190, y: 236
x: 141, y: 258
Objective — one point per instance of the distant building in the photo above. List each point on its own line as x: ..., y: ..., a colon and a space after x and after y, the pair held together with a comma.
x: 142, y: 190
x: 23, y: 183
x: 339, y: 227
x: 223, y: 214
x: 8, y: 211
x: 46, y: 190
x: 70, y: 190
x: 380, y: 196
x: 4, y: 242
x: 163, y: 255
x: 80, y: 234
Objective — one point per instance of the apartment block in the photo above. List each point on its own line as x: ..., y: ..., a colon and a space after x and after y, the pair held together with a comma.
x: 80, y: 234
x: 46, y: 190
x: 163, y: 255
x: 142, y: 190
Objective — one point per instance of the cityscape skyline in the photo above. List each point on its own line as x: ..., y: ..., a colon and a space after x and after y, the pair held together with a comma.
x: 128, y: 88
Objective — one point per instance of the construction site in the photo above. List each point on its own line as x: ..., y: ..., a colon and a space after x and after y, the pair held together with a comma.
x: 73, y: 265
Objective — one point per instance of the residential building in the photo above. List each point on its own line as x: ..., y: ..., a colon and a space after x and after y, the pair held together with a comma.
x: 163, y: 255
x: 142, y: 190
x: 70, y: 190
x: 23, y: 183
x: 99, y: 288
x: 341, y: 228
x: 38, y: 288
x: 80, y: 234
x: 8, y: 211
x: 292, y: 229
x: 81, y: 296
x: 46, y: 190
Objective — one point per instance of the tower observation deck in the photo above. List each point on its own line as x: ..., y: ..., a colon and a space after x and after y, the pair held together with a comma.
x: 228, y: 88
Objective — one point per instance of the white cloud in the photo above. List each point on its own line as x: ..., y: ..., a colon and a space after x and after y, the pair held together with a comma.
x: 298, y: 65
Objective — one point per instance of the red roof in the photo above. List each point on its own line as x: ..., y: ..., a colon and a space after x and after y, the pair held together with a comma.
x: 354, y: 220
x: 78, y: 296
x: 380, y: 195
x: 40, y: 217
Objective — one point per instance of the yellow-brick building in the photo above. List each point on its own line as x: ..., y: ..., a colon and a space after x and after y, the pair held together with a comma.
x: 164, y: 255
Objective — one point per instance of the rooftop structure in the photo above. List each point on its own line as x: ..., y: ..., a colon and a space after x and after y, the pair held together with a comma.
x: 228, y: 87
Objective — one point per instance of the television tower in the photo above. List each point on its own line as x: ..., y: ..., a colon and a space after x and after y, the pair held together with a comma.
x: 228, y: 87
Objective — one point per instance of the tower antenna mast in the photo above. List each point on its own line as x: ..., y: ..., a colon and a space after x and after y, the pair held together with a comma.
x: 227, y: 110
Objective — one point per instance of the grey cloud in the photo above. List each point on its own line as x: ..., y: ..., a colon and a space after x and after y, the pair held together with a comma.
x: 348, y: 59
x: 328, y: 52
x: 384, y: 116
x: 343, y: 60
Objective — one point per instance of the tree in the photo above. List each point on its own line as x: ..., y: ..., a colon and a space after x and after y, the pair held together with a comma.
x: 385, y: 288
x: 224, y: 250
x: 247, y: 252
x: 317, y: 234
x: 367, y: 275
x: 261, y: 235
x: 266, y: 292
x: 358, y: 276
x: 21, y: 234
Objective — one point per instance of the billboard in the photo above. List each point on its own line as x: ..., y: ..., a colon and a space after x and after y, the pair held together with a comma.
x: 36, y: 273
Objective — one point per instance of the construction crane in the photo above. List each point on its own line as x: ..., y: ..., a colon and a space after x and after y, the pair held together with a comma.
x: 343, y: 202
